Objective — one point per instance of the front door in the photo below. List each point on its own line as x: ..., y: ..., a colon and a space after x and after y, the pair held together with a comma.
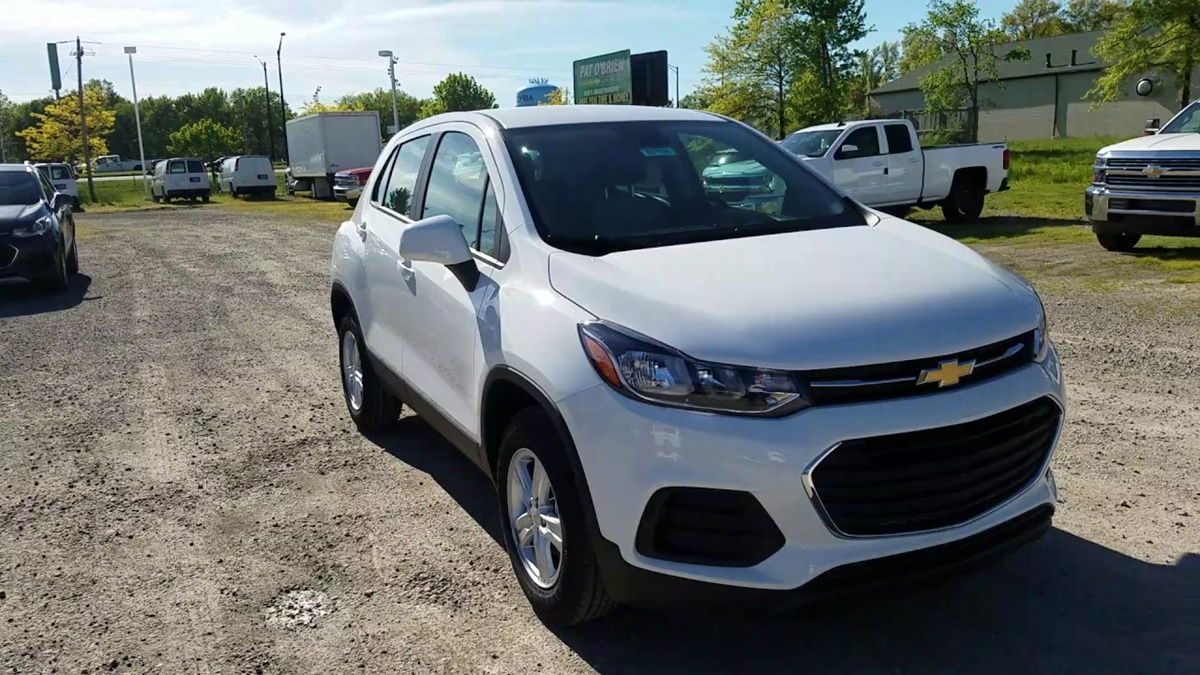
x: 859, y: 167
x: 905, y: 168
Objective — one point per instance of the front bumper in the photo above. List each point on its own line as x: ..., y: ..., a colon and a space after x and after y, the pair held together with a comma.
x: 629, y: 450
x: 1167, y: 213
x: 347, y: 193
x: 27, y: 258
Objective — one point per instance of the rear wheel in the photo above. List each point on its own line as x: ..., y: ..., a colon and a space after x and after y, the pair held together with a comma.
x: 73, y: 258
x: 369, y: 403
x: 205, y: 197
x: 1118, y: 241
x: 965, y: 201
x: 544, y: 525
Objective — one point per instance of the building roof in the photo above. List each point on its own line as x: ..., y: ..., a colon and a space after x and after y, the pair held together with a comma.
x: 1060, y: 54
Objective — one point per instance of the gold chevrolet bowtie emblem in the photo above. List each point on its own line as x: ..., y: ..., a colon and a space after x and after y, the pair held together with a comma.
x: 947, y: 374
x: 1153, y: 171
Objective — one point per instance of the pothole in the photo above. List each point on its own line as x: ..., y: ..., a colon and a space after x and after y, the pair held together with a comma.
x: 296, y: 608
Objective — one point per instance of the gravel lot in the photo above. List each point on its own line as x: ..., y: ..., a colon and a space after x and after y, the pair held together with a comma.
x: 182, y: 491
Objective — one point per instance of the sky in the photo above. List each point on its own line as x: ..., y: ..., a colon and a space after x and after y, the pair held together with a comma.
x: 333, y: 44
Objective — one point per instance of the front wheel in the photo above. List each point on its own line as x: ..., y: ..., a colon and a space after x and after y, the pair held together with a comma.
x: 205, y: 197
x: 57, y: 280
x: 370, y: 405
x: 544, y: 525
x: 1118, y: 241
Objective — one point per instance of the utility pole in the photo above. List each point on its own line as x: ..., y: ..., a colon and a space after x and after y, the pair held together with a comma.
x: 676, y: 69
x: 87, y: 153
x: 137, y: 117
x: 267, y: 105
x: 282, y: 107
x: 392, y: 76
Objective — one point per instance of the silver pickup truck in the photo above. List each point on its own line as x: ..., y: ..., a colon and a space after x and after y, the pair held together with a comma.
x: 1148, y: 185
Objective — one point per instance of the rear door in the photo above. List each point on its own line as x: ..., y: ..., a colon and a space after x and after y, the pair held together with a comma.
x: 859, y: 165
x: 904, y: 165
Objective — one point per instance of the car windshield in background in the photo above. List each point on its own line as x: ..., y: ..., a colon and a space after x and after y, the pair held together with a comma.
x: 604, y: 187
x: 18, y: 188
x: 1186, y: 122
x: 810, y: 143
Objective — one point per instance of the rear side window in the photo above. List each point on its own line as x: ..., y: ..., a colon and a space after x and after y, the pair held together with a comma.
x: 898, y: 138
x: 865, y: 142
x: 177, y: 166
x: 59, y: 172
x: 195, y: 166
x: 398, y: 181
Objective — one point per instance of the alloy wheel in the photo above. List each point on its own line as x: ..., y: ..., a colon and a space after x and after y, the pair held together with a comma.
x: 534, y: 519
x: 352, y: 371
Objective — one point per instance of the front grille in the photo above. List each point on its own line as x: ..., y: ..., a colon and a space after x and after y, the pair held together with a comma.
x: 1139, y: 163
x: 1164, y: 182
x: 704, y: 526
x: 893, y: 380
x: 345, y: 180
x: 934, y: 478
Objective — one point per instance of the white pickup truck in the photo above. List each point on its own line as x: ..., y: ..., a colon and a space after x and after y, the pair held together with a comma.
x: 109, y: 163
x: 881, y: 163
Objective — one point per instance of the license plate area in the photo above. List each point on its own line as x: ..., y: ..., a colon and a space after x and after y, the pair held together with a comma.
x: 262, y: 176
x: 194, y: 179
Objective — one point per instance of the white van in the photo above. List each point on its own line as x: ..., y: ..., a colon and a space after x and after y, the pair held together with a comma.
x: 247, y: 174
x: 62, y: 176
x: 180, y: 177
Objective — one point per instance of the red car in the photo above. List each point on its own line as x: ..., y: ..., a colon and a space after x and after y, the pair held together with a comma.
x: 348, y: 184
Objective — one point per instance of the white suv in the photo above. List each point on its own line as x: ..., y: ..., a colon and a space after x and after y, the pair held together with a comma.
x: 682, y: 395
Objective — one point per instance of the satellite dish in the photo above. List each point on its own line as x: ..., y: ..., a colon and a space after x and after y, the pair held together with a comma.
x: 1144, y: 86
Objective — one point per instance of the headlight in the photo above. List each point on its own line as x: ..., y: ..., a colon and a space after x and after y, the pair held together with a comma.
x: 1041, y: 340
x: 646, y: 370
x: 35, y: 228
x: 1099, y: 170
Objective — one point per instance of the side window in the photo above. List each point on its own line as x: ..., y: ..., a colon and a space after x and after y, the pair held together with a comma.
x: 862, y: 142
x: 898, y: 138
x: 457, y: 184
x: 399, y: 179
x: 490, y: 224
x: 47, y: 186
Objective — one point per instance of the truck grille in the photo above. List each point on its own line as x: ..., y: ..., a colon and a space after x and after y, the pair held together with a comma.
x: 1178, y: 173
x: 897, y: 379
x: 933, y: 478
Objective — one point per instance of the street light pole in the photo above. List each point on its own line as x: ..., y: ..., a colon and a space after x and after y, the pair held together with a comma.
x: 137, y: 117
x: 676, y: 69
x: 387, y: 53
x: 282, y: 107
x: 267, y: 105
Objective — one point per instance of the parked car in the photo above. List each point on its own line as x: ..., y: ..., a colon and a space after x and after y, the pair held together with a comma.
x: 247, y: 175
x: 881, y: 163
x: 37, y: 230
x: 348, y: 184
x: 1148, y: 185
x: 62, y: 177
x: 681, y: 398
x: 180, y: 178
x: 110, y: 163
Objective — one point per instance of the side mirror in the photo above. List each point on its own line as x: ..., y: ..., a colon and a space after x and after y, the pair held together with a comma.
x: 847, y: 149
x: 438, y: 239
x: 1152, y: 126
x: 58, y: 201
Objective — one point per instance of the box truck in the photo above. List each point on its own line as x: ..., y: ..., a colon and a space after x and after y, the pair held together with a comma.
x: 322, y: 144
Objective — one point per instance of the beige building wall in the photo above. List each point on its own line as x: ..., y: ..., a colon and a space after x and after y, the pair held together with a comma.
x: 1126, y: 117
x: 1018, y: 110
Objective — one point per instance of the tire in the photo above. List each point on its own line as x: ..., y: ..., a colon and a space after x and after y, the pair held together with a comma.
x: 166, y: 197
x: 574, y: 593
x: 965, y: 201
x: 1118, y: 241
x: 205, y: 197
x: 233, y: 192
x: 58, y: 279
x: 372, y: 407
x: 73, y: 259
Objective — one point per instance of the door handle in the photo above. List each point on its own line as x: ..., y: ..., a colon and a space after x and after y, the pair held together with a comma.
x: 878, y: 163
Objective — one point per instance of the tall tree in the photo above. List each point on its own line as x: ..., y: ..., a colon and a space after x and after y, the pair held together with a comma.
x: 1031, y: 19
x: 1149, y: 36
x: 824, y: 30
x: 6, y: 121
x: 968, y: 44
x: 458, y: 91
x: 755, y: 66
x: 871, y: 69
x: 408, y: 106
x: 205, y: 139
x: 56, y: 133
x: 1089, y: 15
x: 918, y: 49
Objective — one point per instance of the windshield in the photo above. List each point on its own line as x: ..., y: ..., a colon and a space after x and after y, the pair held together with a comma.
x: 811, y: 143
x: 1186, y: 122
x: 18, y: 188
x: 604, y: 187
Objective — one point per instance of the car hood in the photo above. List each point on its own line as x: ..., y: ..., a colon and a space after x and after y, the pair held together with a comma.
x: 806, y: 300
x: 742, y: 169
x: 17, y: 213
x: 1157, y: 142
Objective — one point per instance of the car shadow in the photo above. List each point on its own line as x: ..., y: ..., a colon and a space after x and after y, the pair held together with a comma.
x: 1003, y: 227
x: 1061, y: 604
x: 21, y: 298
x: 1181, y: 253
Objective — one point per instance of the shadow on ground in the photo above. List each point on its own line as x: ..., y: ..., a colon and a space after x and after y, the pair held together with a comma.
x: 1061, y: 604
x: 19, y: 298
x: 1182, y: 253
x: 1002, y: 227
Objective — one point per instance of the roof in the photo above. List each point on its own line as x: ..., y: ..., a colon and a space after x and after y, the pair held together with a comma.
x: 544, y: 115
x: 1052, y: 55
x: 16, y: 167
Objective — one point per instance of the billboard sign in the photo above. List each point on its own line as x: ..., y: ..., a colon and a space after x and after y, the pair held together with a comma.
x: 55, y: 76
x: 604, y: 79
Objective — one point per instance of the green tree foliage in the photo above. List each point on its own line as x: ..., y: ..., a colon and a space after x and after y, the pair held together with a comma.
x: 1031, y: 19
x: 918, y: 49
x: 408, y: 107
x: 205, y: 139
x: 871, y: 68
x: 458, y: 91
x: 1149, y: 36
x: 970, y: 46
x: 56, y: 135
x: 1089, y: 15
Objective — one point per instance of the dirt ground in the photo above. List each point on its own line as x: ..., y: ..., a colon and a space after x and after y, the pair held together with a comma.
x: 182, y: 491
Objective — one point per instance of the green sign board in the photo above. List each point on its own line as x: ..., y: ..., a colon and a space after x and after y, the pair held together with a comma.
x: 604, y: 79
x: 55, y: 78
